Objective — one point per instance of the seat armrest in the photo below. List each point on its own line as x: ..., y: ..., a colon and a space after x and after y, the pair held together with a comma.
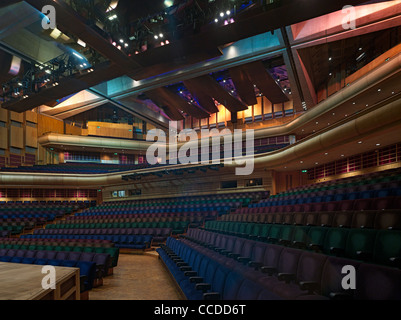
x: 310, y: 286
x: 233, y: 255
x: 211, y: 296
x: 182, y: 264
x: 337, y: 251
x: 185, y: 268
x: 363, y: 255
x: 340, y: 296
x: 190, y: 273
x: 269, y: 270
x: 243, y: 259
x: 254, y: 264
x: 315, y: 247
x: 203, y: 286
x: 196, y: 279
x: 287, y: 277
x: 396, y: 262
x: 284, y: 242
x: 299, y: 245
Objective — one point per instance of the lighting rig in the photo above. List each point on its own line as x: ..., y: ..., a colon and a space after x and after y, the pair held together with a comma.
x: 42, y: 76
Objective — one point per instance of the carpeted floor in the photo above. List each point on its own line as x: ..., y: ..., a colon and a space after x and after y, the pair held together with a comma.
x: 137, y: 277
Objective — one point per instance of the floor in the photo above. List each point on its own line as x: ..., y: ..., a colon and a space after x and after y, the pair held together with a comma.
x: 137, y: 277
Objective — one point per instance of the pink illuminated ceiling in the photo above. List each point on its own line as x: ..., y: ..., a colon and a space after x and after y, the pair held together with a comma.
x: 333, y: 23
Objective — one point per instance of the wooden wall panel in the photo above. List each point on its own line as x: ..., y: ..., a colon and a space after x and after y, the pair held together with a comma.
x: 17, y: 137
x: 48, y: 124
x: 15, y: 116
x: 3, y: 138
x: 73, y: 130
x: 3, y: 115
x: 31, y: 116
x: 105, y: 129
x: 31, y: 137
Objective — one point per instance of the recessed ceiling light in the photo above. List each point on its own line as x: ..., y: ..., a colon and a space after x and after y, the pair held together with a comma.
x: 301, y: 161
x: 379, y: 90
x: 377, y: 144
x: 221, y: 14
x: 353, y: 102
x: 326, y: 154
x: 216, y: 20
x: 342, y: 155
x: 330, y: 58
x: 359, y: 142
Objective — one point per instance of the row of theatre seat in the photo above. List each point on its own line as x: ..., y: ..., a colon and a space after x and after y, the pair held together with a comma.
x: 112, y: 252
x: 158, y: 234
x: 16, y: 218
x: 169, y: 218
x: 375, y: 219
x: 392, y: 202
x: 270, y: 271
x: 177, y: 227
x: 367, y: 196
x: 372, y: 179
x: 370, y: 245
x: 29, y: 239
x: 119, y: 241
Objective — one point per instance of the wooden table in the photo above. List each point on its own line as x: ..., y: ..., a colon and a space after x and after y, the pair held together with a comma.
x: 20, y: 281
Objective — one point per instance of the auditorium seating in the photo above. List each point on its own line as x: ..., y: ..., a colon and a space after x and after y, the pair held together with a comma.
x: 111, y: 254
x: 283, y: 272
x: 158, y: 234
x: 119, y: 241
x: 354, y: 243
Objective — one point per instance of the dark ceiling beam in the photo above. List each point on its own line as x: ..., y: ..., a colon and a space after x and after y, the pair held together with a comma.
x: 196, y: 90
x: 175, y: 101
x: 216, y: 91
x: 243, y: 85
x: 172, y: 112
x: 138, y: 110
x: 265, y: 82
x: 67, y: 86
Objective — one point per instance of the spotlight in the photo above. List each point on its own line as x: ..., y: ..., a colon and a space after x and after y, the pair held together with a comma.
x: 221, y: 14
x: 216, y: 20
x: 228, y: 12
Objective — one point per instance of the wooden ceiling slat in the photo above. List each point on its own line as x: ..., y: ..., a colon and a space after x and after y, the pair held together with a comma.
x: 200, y: 95
x: 220, y: 94
x: 264, y: 81
x: 243, y: 85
